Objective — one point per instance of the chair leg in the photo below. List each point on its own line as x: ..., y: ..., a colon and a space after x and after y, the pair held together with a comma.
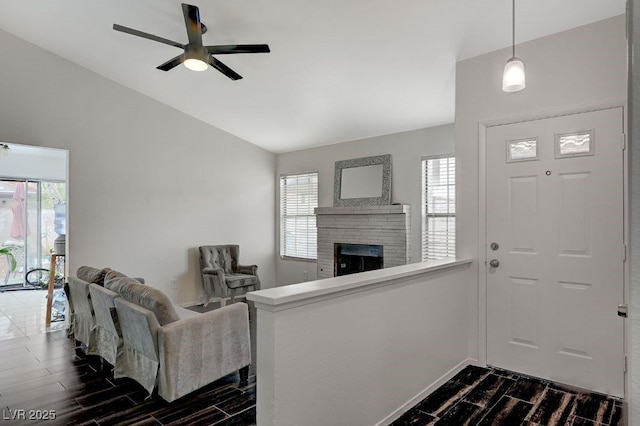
x: 104, y: 367
x: 79, y: 348
x: 244, y: 376
x: 223, y: 302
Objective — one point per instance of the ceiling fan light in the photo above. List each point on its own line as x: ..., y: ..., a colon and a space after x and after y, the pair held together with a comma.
x: 195, y: 64
x: 513, y: 78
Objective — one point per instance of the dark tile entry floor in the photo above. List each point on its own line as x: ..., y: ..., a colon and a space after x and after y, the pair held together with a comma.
x: 489, y: 396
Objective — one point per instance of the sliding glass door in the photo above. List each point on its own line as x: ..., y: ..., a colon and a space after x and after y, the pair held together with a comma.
x: 15, y: 229
x: 32, y: 254
x: 28, y: 225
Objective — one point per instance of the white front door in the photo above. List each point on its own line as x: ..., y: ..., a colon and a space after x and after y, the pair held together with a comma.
x: 555, y: 210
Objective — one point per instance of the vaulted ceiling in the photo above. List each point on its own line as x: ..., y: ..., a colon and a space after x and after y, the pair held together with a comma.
x: 337, y: 71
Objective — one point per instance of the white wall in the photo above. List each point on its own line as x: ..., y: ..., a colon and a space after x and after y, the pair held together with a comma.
x: 34, y: 163
x: 148, y: 184
x: 406, y: 150
x: 358, y: 349
x: 575, y: 68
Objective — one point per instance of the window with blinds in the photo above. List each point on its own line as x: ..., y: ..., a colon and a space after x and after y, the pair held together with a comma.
x: 298, y: 198
x: 438, y: 207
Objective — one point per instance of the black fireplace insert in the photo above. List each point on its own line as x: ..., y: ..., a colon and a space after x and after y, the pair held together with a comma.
x: 354, y: 258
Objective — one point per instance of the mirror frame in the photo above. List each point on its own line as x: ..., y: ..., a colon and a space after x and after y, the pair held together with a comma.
x: 385, y: 199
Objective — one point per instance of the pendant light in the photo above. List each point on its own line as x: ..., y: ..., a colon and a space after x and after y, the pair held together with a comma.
x: 513, y: 78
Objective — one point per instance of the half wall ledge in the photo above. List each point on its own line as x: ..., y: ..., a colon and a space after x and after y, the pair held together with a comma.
x: 295, y: 295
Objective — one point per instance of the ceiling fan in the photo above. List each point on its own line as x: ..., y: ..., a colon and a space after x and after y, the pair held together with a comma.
x: 197, y: 57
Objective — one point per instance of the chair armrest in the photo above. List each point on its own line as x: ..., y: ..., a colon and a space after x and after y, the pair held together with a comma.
x: 248, y: 269
x: 196, y: 351
x: 213, y: 271
x: 83, y: 314
x: 213, y: 283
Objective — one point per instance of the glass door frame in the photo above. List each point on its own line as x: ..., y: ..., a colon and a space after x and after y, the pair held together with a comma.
x: 27, y: 242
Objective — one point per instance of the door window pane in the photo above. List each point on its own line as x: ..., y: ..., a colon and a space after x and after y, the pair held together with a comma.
x: 523, y: 149
x: 573, y: 144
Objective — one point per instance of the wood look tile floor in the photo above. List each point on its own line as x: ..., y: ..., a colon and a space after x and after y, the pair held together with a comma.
x: 44, y: 372
x: 488, y: 396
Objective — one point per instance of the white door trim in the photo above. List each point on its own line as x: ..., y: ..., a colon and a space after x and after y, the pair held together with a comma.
x: 482, y: 207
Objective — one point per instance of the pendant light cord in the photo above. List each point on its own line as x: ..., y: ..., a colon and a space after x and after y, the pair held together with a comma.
x: 513, y: 28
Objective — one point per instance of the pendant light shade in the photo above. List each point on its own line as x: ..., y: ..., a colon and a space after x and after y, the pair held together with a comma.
x: 513, y: 77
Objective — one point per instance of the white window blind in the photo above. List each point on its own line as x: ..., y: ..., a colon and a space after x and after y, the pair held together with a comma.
x: 438, y: 208
x: 298, y: 198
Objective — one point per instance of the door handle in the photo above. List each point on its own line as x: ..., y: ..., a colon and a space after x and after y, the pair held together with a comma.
x: 494, y: 263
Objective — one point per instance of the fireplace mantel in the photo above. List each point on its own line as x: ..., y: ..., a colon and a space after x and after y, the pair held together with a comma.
x: 388, y: 226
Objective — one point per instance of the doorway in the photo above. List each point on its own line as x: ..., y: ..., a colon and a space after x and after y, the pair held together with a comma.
x: 555, y: 248
x: 33, y: 206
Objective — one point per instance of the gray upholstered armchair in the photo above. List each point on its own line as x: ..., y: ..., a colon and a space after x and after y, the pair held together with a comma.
x: 223, y: 277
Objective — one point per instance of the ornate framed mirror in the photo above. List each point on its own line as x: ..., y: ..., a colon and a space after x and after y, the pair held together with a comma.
x: 363, y: 181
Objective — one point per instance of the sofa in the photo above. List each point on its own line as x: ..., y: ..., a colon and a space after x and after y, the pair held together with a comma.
x: 159, y: 344
x: 82, y: 314
x: 106, y: 340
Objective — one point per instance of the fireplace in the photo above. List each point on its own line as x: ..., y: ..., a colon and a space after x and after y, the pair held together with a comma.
x: 354, y: 258
x: 386, y: 226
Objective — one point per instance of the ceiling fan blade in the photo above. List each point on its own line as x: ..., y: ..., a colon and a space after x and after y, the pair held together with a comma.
x: 192, y: 20
x: 147, y: 36
x: 171, y: 63
x: 238, y: 48
x: 224, y: 69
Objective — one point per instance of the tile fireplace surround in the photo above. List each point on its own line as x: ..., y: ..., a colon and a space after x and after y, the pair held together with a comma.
x: 388, y: 226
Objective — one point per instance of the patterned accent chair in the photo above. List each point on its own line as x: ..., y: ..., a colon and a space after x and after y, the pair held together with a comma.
x: 223, y: 277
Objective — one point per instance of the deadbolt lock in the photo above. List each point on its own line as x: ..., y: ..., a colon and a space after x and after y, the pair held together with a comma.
x: 494, y: 246
x: 623, y: 310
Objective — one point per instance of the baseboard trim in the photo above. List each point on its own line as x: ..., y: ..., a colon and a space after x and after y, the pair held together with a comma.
x: 426, y: 392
